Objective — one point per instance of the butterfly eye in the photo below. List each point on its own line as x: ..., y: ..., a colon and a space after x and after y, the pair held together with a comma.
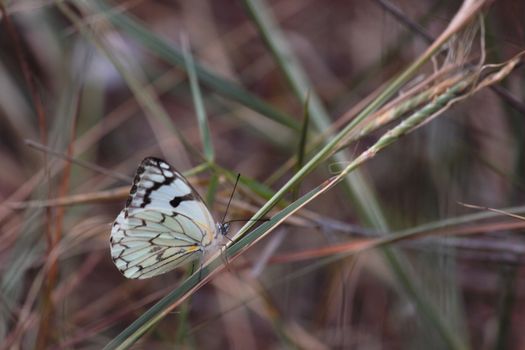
x: 223, y: 228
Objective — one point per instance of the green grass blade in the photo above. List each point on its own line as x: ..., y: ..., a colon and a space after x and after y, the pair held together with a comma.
x: 200, y: 111
x: 255, y: 186
x: 301, y: 149
x: 212, y: 190
x: 161, y: 48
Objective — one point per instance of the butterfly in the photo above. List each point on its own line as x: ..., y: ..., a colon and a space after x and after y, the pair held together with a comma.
x: 165, y: 223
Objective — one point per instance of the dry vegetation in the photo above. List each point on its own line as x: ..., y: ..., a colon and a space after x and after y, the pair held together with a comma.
x: 375, y: 253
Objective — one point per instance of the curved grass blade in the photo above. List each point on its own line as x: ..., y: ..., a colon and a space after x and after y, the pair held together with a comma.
x: 148, y: 319
x: 365, y: 199
x: 465, y: 14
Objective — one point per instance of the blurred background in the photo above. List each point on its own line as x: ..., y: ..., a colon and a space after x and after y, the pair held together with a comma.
x: 104, y: 84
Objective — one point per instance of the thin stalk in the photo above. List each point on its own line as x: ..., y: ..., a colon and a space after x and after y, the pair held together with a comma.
x: 198, y: 102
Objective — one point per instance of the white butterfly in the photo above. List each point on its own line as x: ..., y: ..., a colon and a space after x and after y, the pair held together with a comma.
x: 165, y: 223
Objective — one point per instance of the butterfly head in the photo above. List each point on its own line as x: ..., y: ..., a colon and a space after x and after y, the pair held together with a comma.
x: 223, y: 228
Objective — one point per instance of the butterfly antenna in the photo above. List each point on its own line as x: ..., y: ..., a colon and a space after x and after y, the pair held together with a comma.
x: 230, y: 200
x: 247, y: 220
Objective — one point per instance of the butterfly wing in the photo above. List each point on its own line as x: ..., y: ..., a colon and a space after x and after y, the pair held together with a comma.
x: 165, y: 223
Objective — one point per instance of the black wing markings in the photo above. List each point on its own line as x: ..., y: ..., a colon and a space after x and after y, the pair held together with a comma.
x: 157, y: 167
x: 179, y: 199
